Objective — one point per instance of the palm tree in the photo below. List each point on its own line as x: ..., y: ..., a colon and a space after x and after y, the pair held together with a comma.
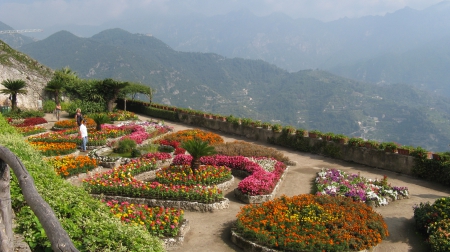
x: 99, y: 119
x: 13, y: 88
x: 111, y: 90
x: 197, y: 149
x: 60, y: 79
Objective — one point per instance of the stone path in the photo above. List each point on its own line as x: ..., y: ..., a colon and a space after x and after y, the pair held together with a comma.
x: 211, y: 231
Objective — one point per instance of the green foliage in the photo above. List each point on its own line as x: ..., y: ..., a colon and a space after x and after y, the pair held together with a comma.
x: 87, y: 107
x: 135, y: 153
x: 125, y: 145
x: 48, y: 106
x: 166, y: 148
x: 88, y: 222
x: 433, y: 220
x: 240, y: 148
x: 26, y: 113
x: 356, y: 142
x: 197, y: 149
x: 99, y: 119
x: 276, y: 127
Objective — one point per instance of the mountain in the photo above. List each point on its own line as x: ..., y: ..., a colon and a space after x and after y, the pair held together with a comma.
x: 15, y: 65
x: 15, y: 40
x: 310, y: 99
x: 299, y: 44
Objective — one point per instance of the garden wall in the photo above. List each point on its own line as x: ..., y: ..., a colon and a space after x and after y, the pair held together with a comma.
x: 371, y: 157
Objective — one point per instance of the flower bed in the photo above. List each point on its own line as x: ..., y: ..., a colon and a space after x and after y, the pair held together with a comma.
x: 70, y: 165
x: 183, y: 175
x: 159, y: 221
x: 71, y: 123
x: 263, y: 178
x: 120, y: 181
x: 121, y: 115
x: 312, y: 223
x: 54, y: 149
x: 27, y: 122
x: 31, y: 130
x: 338, y: 183
x: 193, y: 134
x: 433, y: 220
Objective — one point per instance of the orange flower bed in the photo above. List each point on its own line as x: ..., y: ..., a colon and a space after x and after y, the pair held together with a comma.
x: 71, y: 123
x: 54, y: 149
x: 312, y: 223
x: 71, y: 165
x: 186, y: 135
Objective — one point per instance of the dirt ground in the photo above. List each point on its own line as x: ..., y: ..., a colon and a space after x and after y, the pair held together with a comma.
x: 212, y: 231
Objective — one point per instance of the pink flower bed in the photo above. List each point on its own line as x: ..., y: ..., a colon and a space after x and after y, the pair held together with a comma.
x: 259, y: 182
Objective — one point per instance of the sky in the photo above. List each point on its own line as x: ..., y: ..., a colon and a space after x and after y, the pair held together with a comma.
x: 39, y: 14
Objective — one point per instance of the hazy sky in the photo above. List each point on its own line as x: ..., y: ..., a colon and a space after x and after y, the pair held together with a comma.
x: 28, y: 14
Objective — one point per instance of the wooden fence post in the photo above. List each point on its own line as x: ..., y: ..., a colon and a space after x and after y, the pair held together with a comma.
x: 6, y: 232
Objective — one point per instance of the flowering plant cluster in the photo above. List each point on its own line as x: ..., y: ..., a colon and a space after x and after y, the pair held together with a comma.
x: 138, y: 134
x: 121, y: 115
x: 261, y: 180
x: 31, y: 130
x: 338, y: 183
x: 193, y: 134
x: 159, y: 221
x: 173, y: 143
x: 184, y: 175
x: 312, y: 223
x: 54, y: 149
x: 70, y: 165
x: 120, y: 181
x: 71, y: 123
x: 32, y: 121
x: 159, y: 156
x: 433, y: 220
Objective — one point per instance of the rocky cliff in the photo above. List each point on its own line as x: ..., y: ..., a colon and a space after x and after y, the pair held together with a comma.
x: 14, y: 66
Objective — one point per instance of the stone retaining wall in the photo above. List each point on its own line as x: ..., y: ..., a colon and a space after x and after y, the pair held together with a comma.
x: 361, y: 155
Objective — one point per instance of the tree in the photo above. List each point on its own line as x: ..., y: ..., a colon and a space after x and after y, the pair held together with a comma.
x: 197, y: 149
x: 110, y: 90
x: 133, y: 90
x: 61, y: 78
x: 13, y: 88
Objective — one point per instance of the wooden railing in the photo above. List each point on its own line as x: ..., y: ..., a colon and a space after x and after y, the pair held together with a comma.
x: 56, y: 234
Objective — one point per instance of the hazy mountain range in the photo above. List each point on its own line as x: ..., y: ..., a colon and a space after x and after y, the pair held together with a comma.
x: 311, y: 99
x: 407, y: 46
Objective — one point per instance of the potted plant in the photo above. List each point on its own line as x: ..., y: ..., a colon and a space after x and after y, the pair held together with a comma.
x: 233, y: 120
x: 340, y: 138
x: 420, y: 152
x: 246, y: 121
x: 356, y: 141
x: 405, y: 150
x: 289, y: 129
x: 301, y: 132
x: 327, y: 136
x: 265, y: 125
x: 369, y: 144
x: 314, y: 133
x: 257, y: 124
x: 389, y: 147
x: 276, y: 127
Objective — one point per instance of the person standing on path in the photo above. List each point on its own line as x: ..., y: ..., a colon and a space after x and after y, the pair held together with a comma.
x: 58, y: 110
x: 84, y: 135
x: 78, y: 117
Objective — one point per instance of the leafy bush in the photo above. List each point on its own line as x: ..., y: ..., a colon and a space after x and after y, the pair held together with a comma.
x: 240, y: 148
x: 48, y: 106
x: 135, y: 153
x: 165, y: 148
x: 433, y: 220
x: 87, y: 107
x: 88, y: 222
x: 24, y: 113
x: 125, y: 145
x: 99, y: 119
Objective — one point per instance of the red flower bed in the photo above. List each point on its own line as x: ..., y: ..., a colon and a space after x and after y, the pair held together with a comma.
x: 31, y: 122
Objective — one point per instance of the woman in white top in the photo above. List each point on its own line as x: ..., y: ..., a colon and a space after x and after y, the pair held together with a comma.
x: 84, y: 135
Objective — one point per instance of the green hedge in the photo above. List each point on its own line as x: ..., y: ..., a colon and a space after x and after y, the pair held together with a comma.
x: 87, y: 221
x: 144, y: 108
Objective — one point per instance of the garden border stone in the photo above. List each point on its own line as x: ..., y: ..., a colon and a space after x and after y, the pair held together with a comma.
x: 249, y: 246
x: 172, y: 242
x: 185, y: 205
